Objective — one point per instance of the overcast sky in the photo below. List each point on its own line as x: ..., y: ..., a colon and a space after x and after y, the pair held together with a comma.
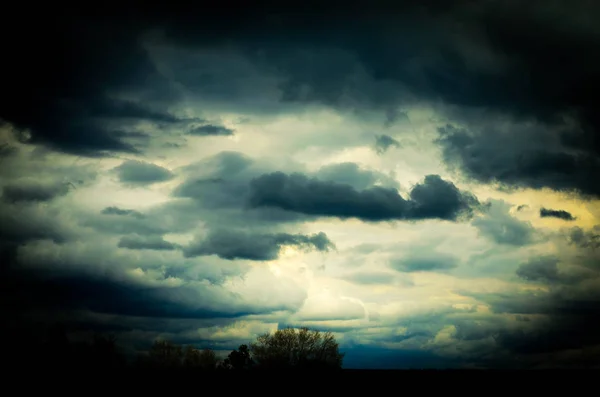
x: 419, y: 180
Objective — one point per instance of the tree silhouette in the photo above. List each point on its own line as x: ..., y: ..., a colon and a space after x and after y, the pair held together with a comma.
x: 105, y: 353
x: 199, y: 359
x: 239, y: 359
x: 285, y: 349
x: 302, y: 349
x: 165, y: 354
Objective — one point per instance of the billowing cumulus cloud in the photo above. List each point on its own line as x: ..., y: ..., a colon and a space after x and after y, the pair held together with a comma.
x: 417, y: 177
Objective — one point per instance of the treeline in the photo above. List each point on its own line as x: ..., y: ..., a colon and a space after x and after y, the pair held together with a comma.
x: 284, y: 349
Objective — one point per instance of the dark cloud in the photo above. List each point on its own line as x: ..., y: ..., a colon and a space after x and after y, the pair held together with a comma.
x: 258, y: 247
x: 140, y: 173
x: 517, y: 81
x: 378, y: 54
x: 568, y: 325
x: 424, y: 262
x: 560, y: 214
x: 384, y: 142
x: 213, y: 192
x: 20, y: 224
x: 352, y: 174
x: 146, y: 243
x: 491, y: 156
x: 76, y: 102
x: 585, y: 239
x: 114, y: 223
x: 394, y: 115
x: 224, y: 164
x: 560, y: 315
x: 122, y: 296
x: 33, y: 191
x: 122, y: 212
x: 501, y: 227
x: 434, y: 198
x: 211, y: 130
x: 223, y: 182
x: 543, y: 269
x: 437, y: 198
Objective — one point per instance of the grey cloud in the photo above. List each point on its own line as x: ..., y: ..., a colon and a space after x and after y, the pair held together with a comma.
x: 542, y: 269
x: 219, y: 181
x: 352, y: 174
x: 33, y: 191
x: 140, y: 173
x: 125, y: 224
x: 223, y: 181
x: 63, y: 283
x: 19, y: 224
x: 434, y: 198
x: 585, y: 239
x: 424, y: 262
x: 476, y: 330
x: 7, y: 149
x: 563, y: 316
x: 213, y: 192
x: 384, y: 142
x: 122, y: 212
x: 223, y: 164
x: 572, y: 325
x: 128, y: 297
x: 146, y: 242
x: 481, y: 65
x: 437, y: 198
x: 211, y: 130
x: 493, y: 157
x: 259, y: 247
x: 501, y: 227
x: 83, y: 112
x: 394, y: 115
x: 560, y: 214
x: 371, y: 278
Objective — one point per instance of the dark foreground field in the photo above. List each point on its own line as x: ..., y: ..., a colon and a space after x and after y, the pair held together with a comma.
x: 348, y: 381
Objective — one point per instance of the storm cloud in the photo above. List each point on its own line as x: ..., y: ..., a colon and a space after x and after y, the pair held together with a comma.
x: 417, y: 177
x: 257, y: 247
x: 434, y: 198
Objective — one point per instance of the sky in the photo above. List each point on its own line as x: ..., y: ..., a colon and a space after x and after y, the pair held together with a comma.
x: 418, y: 178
